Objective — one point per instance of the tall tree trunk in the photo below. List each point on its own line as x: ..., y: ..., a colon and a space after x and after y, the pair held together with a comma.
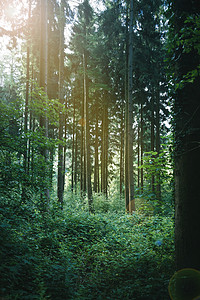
x: 27, y: 96
x: 60, y: 183
x: 96, y: 163
x: 130, y: 114
x: 30, y: 148
x: 126, y: 189
x: 87, y: 135
x: 82, y: 175
x: 141, y: 146
x: 65, y: 145
x: 121, y: 164
x: 152, y: 137
x: 104, y: 147
x: 43, y: 84
x: 76, y: 159
x: 138, y: 155
x: 73, y: 143
x: 187, y: 148
x: 158, y: 185
x: 26, y: 140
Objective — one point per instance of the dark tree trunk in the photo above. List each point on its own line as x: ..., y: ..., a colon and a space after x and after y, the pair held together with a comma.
x: 141, y: 147
x: 27, y: 107
x: 87, y: 136
x: 104, y: 148
x: 130, y: 114
x: 82, y: 164
x: 126, y: 189
x: 122, y: 151
x: 65, y: 145
x: 26, y: 115
x: 60, y: 184
x: 187, y: 149
x: 158, y: 185
x: 76, y: 159
x: 152, y: 138
x: 73, y: 144
x: 138, y: 155
x: 96, y: 163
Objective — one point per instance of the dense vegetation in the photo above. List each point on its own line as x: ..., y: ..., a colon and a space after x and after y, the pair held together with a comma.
x: 99, y: 136
x: 74, y: 255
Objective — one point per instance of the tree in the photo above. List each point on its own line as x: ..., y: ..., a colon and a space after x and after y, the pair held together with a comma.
x: 60, y: 183
x: 86, y: 16
x: 187, y: 137
x: 43, y: 84
x: 129, y: 128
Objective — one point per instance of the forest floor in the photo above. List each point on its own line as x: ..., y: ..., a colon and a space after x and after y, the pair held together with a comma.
x: 71, y: 254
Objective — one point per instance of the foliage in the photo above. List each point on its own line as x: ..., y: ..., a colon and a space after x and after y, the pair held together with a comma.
x: 74, y: 255
x: 70, y: 254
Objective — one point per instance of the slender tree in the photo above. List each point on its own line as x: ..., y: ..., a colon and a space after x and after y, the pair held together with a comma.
x: 86, y: 9
x: 104, y: 147
x: 96, y: 163
x: 60, y: 183
x: 43, y: 85
x: 130, y: 113
x: 126, y: 190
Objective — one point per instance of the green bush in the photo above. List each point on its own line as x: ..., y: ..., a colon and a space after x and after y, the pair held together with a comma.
x: 70, y: 254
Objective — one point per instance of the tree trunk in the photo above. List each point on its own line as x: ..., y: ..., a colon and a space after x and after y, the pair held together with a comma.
x: 82, y: 175
x: 126, y: 189
x: 187, y: 149
x: 76, y: 159
x: 141, y: 147
x: 138, y: 154
x: 152, y: 138
x: 43, y: 84
x: 65, y: 145
x: 73, y: 144
x: 104, y: 148
x: 87, y: 136
x: 26, y: 140
x: 130, y: 114
x: 96, y: 163
x: 60, y: 184
x: 27, y: 98
x: 158, y: 185
x: 122, y: 152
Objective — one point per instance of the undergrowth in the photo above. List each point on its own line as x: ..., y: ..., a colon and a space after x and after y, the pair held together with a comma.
x: 70, y: 254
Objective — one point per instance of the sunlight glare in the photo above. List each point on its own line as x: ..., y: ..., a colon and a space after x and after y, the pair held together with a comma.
x: 12, y: 11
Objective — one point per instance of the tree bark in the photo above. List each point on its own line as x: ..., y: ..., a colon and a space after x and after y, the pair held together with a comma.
x: 130, y: 114
x: 122, y: 152
x: 96, y: 163
x: 76, y: 159
x: 104, y: 148
x: 82, y: 175
x: 87, y: 135
x: 126, y: 189
x: 187, y: 149
x: 26, y: 114
x: 152, y: 137
x: 60, y: 183
x: 138, y: 154
x: 142, y: 146
x: 43, y: 84
x: 158, y: 185
x: 73, y: 144
x: 27, y: 97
